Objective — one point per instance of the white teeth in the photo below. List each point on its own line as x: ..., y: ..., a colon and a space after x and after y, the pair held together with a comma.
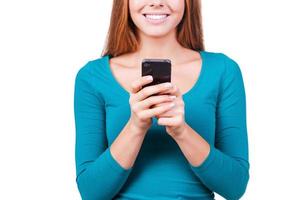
x: 156, y: 16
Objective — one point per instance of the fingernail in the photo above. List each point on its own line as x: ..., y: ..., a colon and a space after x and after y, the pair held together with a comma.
x: 172, y: 97
x: 149, y: 78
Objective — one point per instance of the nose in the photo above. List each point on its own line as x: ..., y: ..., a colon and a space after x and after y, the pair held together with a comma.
x: 155, y: 3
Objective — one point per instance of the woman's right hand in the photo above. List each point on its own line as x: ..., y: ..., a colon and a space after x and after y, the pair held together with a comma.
x: 141, y: 102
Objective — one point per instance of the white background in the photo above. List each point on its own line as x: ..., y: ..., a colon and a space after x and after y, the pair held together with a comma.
x: 44, y: 43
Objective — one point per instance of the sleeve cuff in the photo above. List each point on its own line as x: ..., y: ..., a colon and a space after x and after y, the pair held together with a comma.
x: 114, y: 164
x: 207, y: 162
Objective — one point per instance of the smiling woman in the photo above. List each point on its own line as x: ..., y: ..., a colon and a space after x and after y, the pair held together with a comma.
x: 180, y: 140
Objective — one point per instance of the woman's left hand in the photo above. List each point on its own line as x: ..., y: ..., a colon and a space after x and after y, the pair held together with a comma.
x: 174, y: 119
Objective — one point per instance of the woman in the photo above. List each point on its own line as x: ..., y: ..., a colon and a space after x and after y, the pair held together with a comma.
x: 186, y: 142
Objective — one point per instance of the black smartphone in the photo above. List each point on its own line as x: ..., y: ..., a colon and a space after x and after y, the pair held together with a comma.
x: 160, y: 69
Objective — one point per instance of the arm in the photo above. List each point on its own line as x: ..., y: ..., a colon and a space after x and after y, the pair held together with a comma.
x: 99, y: 173
x: 223, y: 167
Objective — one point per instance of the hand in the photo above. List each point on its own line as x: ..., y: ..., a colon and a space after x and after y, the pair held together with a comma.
x: 174, y: 118
x: 141, y: 103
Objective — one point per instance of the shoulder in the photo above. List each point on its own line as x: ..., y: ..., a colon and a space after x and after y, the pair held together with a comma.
x: 91, y: 76
x: 222, y: 63
x: 92, y: 68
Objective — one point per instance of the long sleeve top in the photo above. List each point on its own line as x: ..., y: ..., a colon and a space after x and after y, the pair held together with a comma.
x: 215, y: 107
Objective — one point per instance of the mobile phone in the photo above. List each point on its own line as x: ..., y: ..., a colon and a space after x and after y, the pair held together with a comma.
x: 160, y: 69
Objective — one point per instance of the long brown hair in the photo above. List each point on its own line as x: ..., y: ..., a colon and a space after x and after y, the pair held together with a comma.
x: 122, y: 35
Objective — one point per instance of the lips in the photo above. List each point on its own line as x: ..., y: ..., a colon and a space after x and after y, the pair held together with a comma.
x: 156, y: 18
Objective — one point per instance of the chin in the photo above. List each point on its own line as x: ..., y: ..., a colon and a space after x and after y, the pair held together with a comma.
x: 156, y: 33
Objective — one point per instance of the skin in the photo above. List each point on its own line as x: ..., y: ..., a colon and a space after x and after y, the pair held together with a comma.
x: 157, y: 41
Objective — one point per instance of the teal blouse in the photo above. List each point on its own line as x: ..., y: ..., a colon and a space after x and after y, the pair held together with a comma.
x: 215, y: 107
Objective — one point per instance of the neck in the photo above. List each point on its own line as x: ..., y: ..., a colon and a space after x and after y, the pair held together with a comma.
x: 163, y: 47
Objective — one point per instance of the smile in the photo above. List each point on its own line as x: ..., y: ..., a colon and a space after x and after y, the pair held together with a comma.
x: 156, y: 18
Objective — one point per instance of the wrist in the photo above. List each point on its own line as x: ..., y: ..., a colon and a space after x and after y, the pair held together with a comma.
x: 180, y: 133
x: 134, y: 130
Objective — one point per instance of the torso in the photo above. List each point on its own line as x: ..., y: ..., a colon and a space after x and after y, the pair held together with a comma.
x: 184, y: 75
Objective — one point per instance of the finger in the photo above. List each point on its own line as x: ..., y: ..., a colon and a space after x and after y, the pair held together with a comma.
x: 154, y: 100
x: 148, y: 113
x: 173, y: 91
x: 169, y: 113
x: 172, y: 112
x: 168, y: 121
x: 152, y: 90
x: 168, y: 98
x: 137, y: 84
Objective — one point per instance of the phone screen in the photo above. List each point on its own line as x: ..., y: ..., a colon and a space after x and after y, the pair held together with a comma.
x: 160, y: 69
